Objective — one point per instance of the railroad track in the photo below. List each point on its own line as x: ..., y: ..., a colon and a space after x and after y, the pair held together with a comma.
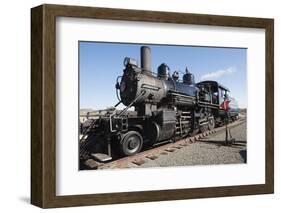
x: 157, y: 151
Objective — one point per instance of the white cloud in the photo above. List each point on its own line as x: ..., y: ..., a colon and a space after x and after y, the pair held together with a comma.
x: 218, y: 73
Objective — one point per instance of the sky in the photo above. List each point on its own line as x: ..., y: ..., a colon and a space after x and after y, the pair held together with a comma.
x: 101, y: 63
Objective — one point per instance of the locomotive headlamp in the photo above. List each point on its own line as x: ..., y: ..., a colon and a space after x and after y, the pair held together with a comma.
x: 130, y: 61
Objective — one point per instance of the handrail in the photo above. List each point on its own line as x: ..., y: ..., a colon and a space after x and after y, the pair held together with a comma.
x: 124, y: 110
x: 138, y: 97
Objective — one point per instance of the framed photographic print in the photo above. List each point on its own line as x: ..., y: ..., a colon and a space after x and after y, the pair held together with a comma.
x: 136, y: 106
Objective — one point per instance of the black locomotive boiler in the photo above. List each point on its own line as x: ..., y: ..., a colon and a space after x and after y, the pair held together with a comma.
x: 166, y: 108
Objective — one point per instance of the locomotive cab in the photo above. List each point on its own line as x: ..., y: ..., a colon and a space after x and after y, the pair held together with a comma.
x: 216, y: 95
x: 212, y: 92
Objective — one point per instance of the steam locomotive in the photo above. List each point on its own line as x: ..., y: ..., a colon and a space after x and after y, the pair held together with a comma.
x: 166, y: 109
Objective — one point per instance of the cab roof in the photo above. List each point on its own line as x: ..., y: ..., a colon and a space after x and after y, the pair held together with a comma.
x: 213, y: 83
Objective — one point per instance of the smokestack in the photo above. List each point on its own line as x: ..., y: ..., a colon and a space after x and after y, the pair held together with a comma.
x: 146, y: 59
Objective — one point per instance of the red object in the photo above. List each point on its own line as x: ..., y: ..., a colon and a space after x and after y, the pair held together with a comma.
x: 225, y: 105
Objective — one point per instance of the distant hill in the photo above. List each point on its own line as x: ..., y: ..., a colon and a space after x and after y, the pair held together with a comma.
x: 88, y: 113
x: 85, y: 110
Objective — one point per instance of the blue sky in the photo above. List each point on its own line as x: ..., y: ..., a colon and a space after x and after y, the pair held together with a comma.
x: 101, y: 63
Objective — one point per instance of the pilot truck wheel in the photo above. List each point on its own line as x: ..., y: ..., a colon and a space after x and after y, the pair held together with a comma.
x: 131, y: 143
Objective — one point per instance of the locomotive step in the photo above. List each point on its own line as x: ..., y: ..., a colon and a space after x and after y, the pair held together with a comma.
x: 185, y: 116
x: 101, y: 157
x: 185, y: 113
x: 185, y: 122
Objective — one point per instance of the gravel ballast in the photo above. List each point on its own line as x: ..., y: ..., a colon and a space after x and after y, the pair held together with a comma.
x: 208, y: 151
